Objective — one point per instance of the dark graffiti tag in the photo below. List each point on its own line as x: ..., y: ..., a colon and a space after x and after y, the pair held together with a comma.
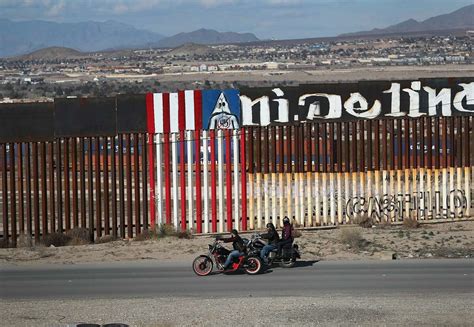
x: 425, y: 204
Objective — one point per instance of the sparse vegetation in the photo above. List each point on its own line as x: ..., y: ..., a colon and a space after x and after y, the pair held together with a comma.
x: 24, y: 241
x: 106, y: 239
x: 78, y: 236
x: 56, y: 239
x: 353, y: 238
x: 365, y: 221
x: 145, y: 235
x: 184, y: 234
x: 166, y: 230
x: 410, y: 223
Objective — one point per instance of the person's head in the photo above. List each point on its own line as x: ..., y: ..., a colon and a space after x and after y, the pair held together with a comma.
x: 286, y: 221
x: 270, y: 227
x: 234, y: 232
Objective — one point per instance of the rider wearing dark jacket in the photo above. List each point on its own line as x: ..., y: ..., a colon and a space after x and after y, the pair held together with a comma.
x: 286, y: 234
x: 237, y: 244
x: 272, y: 236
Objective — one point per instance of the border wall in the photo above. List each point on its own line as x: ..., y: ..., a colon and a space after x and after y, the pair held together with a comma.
x: 213, y: 160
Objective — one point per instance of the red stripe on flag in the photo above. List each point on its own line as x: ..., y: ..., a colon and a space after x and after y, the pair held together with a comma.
x: 212, y: 135
x: 151, y: 168
x: 181, y: 111
x: 198, y: 110
x: 243, y: 180
x: 166, y: 113
x: 197, y: 152
x: 228, y: 172
x: 182, y: 161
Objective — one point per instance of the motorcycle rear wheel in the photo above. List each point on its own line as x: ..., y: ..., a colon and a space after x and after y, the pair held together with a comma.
x: 202, y: 265
x: 287, y: 263
x: 254, y: 265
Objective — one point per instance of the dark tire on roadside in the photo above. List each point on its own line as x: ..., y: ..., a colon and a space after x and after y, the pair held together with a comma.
x: 202, y: 265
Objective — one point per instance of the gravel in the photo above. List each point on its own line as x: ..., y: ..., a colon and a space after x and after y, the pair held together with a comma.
x: 320, y: 310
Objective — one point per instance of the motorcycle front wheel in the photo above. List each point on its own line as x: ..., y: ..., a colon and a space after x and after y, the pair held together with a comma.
x: 202, y: 265
x: 253, y: 266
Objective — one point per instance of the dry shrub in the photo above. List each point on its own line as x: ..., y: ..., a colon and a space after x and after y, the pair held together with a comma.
x: 410, y: 223
x: 146, y: 234
x: 385, y: 224
x: 24, y: 241
x: 56, y: 239
x: 364, y: 221
x: 184, y: 234
x: 78, y: 236
x: 166, y: 230
x: 106, y: 239
x: 352, y: 237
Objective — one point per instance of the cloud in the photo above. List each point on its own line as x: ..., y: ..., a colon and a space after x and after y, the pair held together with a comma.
x: 56, y: 9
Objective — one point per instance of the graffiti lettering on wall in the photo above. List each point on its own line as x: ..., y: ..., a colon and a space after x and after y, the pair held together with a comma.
x: 350, y: 101
x: 423, y: 204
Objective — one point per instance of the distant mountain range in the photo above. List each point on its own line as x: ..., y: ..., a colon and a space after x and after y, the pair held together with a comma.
x: 457, y: 20
x: 17, y: 38
x: 206, y: 36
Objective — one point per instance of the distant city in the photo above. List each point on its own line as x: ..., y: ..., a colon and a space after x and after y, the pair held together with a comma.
x: 55, y: 72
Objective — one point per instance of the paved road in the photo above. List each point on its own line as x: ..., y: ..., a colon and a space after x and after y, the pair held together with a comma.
x: 149, y: 279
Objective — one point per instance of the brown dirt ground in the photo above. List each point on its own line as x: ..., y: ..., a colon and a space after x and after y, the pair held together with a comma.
x: 443, y: 240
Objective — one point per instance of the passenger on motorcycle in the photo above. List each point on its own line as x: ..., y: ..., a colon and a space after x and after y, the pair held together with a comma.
x: 272, y: 236
x: 237, y: 244
x: 286, y: 235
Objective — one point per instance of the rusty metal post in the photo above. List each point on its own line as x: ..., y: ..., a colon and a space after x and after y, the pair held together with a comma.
x: 105, y: 165
x: 13, y: 216
x: 90, y: 187
x: 136, y: 182
x: 75, y: 211
x: 121, y: 186
x: 5, y: 195
x: 82, y: 169
x: 144, y: 163
x: 129, y: 186
x: 51, y: 191
x: 20, y: 181
x: 36, y: 209
x: 98, y: 190
x: 113, y: 170
x: 67, y: 190
x: 44, y: 192
x: 59, y: 182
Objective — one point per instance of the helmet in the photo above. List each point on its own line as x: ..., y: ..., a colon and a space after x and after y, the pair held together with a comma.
x: 235, y: 232
x: 286, y: 220
x: 270, y: 225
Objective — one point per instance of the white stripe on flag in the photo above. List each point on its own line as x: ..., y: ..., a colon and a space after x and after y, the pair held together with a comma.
x: 189, y: 105
x: 174, y: 113
x: 158, y: 111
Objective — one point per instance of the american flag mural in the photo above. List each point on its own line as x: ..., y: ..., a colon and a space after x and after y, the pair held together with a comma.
x: 186, y: 129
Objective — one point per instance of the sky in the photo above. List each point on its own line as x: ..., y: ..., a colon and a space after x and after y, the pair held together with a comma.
x: 267, y: 19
